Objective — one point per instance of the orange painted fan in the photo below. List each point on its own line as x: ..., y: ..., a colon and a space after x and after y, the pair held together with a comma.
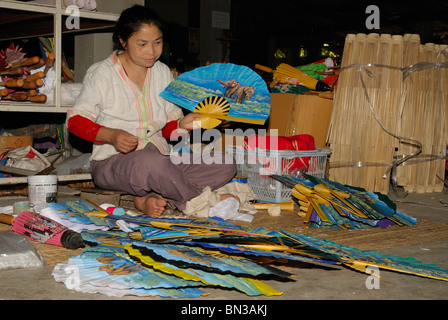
x: 285, y: 73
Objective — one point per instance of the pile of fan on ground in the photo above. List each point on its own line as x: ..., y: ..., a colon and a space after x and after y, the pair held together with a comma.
x: 183, y: 258
x: 328, y: 204
x: 406, y: 123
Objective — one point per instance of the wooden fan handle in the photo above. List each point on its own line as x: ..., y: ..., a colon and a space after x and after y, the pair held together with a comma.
x: 49, y: 62
x: 12, y: 71
x: 31, y: 93
x: 18, y: 96
x: 12, y: 83
x: 38, y: 98
x: 37, y: 65
x: 35, y: 76
x: 6, y: 218
x: 263, y: 68
x: 67, y: 71
x: 274, y: 82
x: 33, y: 84
x: 27, y: 62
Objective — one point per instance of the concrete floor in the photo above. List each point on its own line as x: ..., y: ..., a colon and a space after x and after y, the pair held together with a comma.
x: 311, y: 282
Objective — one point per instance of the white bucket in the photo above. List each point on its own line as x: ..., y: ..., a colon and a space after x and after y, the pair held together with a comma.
x: 42, y: 189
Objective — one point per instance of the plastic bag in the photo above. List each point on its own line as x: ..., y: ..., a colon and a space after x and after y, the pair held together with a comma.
x: 228, y: 210
x: 16, y: 252
x: 27, y: 158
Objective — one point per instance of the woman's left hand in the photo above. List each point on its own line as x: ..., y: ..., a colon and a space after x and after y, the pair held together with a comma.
x: 186, y: 122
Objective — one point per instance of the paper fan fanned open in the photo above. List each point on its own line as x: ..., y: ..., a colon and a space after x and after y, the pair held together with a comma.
x: 221, y: 92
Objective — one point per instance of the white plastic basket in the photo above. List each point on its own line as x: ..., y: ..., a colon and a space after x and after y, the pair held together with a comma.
x: 258, y: 164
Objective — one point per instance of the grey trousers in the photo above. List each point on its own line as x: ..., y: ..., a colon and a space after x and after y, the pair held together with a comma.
x: 143, y: 171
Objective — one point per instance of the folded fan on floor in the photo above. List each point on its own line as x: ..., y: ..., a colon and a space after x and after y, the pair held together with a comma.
x: 45, y: 230
x: 285, y: 73
x: 221, y: 92
x: 328, y: 204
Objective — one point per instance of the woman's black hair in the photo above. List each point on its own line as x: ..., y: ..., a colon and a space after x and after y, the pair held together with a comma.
x: 130, y: 22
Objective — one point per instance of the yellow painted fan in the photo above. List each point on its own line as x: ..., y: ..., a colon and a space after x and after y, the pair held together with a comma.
x: 221, y: 92
x: 213, y: 109
x: 285, y: 73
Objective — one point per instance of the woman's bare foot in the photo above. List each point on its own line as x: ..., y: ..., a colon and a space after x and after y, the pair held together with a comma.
x: 151, y: 204
x: 229, y: 195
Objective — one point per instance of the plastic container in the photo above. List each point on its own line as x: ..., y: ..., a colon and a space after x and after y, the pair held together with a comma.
x: 258, y: 164
x: 42, y: 189
x: 21, y: 206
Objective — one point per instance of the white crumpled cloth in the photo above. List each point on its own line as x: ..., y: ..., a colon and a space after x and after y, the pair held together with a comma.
x: 209, y: 204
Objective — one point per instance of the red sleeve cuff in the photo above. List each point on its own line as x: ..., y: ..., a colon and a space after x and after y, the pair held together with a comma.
x: 169, y: 128
x: 84, y: 128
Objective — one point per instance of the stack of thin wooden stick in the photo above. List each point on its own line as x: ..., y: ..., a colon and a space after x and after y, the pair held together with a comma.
x: 366, y: 139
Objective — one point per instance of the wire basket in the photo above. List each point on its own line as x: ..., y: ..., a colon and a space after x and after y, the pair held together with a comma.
x: 258, y: 164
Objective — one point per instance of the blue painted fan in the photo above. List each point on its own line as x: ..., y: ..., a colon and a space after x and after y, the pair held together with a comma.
x: 221, y: 92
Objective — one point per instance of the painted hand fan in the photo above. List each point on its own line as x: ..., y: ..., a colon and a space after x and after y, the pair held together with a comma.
x: 328, y: 204
x: 359, y: 259
x: 197, y: 258
x: 221, y: 92
x: 118, y: 275
x: 248, y: 285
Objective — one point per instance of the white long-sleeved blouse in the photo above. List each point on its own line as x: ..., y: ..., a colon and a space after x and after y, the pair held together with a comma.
x: 109, y: 98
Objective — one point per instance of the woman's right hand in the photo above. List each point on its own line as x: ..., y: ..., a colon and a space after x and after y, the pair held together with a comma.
x: 122, y: 140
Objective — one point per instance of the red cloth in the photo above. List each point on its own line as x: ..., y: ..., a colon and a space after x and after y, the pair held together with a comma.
x: 299, y: 142
x: 169, y: 128
x: 84, y: 128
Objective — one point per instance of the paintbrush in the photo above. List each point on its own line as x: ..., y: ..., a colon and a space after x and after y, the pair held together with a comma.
x: 45, y: 230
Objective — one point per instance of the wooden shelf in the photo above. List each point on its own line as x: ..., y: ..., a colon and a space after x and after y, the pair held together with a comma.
x: 15, y: 24
x: 32, y: 19
x: 61, y: 178
x: 26, y: 20
x: 11, y: 106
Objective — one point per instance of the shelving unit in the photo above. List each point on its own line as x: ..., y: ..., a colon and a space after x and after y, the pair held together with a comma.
x: 57, y: 12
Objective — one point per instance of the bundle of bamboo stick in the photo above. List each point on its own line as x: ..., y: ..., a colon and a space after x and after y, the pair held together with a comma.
x: 374, y: 107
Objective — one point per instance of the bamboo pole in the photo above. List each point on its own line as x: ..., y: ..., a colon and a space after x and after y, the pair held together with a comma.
x: 408, y: 110
x: 388, y: 105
